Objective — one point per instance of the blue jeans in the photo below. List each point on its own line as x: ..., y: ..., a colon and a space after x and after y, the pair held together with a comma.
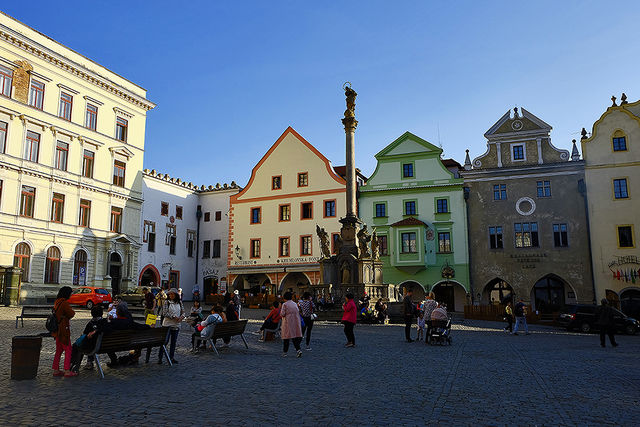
x: 521, y: 320
x: 173, y: 337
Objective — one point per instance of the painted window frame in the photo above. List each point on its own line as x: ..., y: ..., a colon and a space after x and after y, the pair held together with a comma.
x: 375, y: 210
x: 335, y: 208
x: 448, y: 247
x: 116, y: 219
x: 280, y: 212
x: 6, y: 81
x: 405, y: 212
x: 36, y: 94
x: 164, y: 209
x: 278, y: 179
x: 281, y: 240
x: 252, y: 218
x: 306, y: 179
x: 65, y: 106
x: 412, y: 168
x: 119, y: 173
x: 84, y: 214
x: 30, y: 143
x: 255, y: 252
x: 302, y: 245
x: 512, y: 148
x: 409, y: 248
x: 122, y: 129
x: 91, y: 116
x: 444, y: 199
x: 61, y: 160
x: 88, y: 163
x: 57, y: 208
x: 302, y: 204
x: 618, y: 135
x: 633, y: 235
x: 179, y: 212
x: 614, y: 181
x: 27, y: 201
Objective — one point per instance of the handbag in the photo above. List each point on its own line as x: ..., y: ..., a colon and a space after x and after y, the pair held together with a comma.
x: 52, y: 322
x: 301, y: 321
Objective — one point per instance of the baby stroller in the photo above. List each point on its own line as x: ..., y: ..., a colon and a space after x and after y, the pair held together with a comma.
x: 440, y: 332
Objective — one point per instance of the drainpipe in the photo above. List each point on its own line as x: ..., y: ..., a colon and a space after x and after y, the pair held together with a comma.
x: 198, y: 216
x: 467, y: 193
x: 582, y: 188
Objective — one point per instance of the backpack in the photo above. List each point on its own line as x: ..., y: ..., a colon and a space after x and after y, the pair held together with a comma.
x: 52, y: 322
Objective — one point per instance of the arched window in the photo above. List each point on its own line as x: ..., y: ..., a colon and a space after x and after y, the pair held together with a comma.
x: 52, y: 266
x: 619, y: 141
x: 21, y: 259
x: 80, y: 268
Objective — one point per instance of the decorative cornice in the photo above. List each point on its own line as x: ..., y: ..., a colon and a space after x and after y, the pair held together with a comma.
x: 67, y: 88
x: 77, y: 71
x: 92, y: 100
x: 121, y: 112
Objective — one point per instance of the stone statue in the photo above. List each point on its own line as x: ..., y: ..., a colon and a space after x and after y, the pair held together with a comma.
x: 324, y: 242
x: 350, y: 94
x: 375, y: 245
x: 345, y: 273
x: 363, y: 242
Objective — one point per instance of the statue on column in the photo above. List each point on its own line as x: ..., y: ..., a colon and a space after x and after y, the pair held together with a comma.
x: 363, y: 242
x: 323, y: 236
x: 350, y: 94
x: 375, y: 246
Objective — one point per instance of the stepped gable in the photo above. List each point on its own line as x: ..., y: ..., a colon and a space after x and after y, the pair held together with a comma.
x: 189, y: 185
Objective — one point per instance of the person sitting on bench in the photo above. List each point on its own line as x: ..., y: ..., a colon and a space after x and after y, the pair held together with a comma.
x: 271, y: 321
x: 204, y: 327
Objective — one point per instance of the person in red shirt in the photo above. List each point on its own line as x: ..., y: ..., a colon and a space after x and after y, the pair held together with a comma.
x: 272, y: 319
x: 349, y: 319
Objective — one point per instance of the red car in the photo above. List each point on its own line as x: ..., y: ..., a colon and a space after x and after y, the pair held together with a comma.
x: 88, y: 296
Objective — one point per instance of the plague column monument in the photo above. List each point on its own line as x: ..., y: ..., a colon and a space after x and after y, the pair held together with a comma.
x: 356, y: 267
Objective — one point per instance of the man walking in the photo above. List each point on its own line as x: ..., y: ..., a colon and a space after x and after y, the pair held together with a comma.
x: 519, y: 311
x: 409, y: 311
x: 605, y: 316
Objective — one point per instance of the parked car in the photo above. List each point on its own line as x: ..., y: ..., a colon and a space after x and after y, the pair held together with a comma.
x: 88, y: 296
x: 135, y: 296
x: 584, y: 318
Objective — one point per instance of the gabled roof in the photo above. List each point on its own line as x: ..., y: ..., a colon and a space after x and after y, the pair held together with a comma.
x: 535, y: 124
x: 428, y: 147
x: 408, y: 221
x: 121, y: 149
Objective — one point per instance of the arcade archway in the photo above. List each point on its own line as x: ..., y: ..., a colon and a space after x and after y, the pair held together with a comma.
x: 551, y: 293
x: 295, y: 282
x: 497, y: 291
x: 419, y: 293
x: 149, y: 276
x: 450, y: 293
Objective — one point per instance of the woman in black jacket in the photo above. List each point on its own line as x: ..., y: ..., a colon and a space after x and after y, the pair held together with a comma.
x: 606, y: 322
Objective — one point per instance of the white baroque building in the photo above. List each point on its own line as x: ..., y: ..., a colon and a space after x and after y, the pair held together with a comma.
x: 72, y: 137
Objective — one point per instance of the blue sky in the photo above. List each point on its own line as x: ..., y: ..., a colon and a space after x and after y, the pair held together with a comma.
x: 229, y: 77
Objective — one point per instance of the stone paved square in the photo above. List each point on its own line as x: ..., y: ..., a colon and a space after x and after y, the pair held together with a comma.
x: 486, y: 377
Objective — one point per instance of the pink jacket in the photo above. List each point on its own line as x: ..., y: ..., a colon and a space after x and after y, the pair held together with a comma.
x: 290, y: 326
x: 350, y: 312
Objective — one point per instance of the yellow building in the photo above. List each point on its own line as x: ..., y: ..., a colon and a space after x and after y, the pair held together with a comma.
x: 273, y: 245
x: 71, y: 149
x: 612, y: 163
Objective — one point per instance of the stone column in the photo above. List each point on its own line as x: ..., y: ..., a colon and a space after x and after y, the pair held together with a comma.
x: 350, y: 123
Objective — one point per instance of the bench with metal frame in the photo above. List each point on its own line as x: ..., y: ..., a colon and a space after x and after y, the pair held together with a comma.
x: 34, y: 312
x: 223, y: 330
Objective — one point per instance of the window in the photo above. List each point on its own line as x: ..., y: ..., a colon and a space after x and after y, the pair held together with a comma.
x: 283, y: 246
x: 255, y: 248
x: 116, y: 219
x: 172, y: 245
x: 80, y: 268
x: 21, y: 259
x: 444, y: 242
x: 62, y: 154
x: 285, y: 213
x: 544, y: 188
x: 32, y: 147
x: 620, y: 188
x: 256, y: 216
x: 91, y: 117
x: 66, y: 102
x: 335, y: 238
x: 207, y: 216
x: 410, y: 207
x: 526, y: 234
x: 218, y: 215
x: 518, y: 152
x: 170, y: 238
x: 408, y: 243
x: 442, y: 206
x: 303, y: 179
x: 57, y: 207
x: 121, y: 129
x: 3, y: 136
x: 495, y: 238
x: 5, y: 81
x: 178, y: 212
x: 149, y: 235
x: 36, y: 94
x: 118, y: 173
x: 276, y: 182
x: 306, y: 210
x: 27, y: 201
x: 383, y: 245
x: 381, y: 210
x: 305, y: 245
x: 620, y: 143
x: 206, y: 249
x: 52, y: 265
x: 88, y: 158
x: 85, y: 213
x: 560, y: 236
x: 500, y: 192
x: 407, y: 170
x: 625, y: 236
x: 329, y: 208
x: 216, y: 249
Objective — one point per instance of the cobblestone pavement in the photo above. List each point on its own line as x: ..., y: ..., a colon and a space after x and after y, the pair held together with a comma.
x: 486, y: 377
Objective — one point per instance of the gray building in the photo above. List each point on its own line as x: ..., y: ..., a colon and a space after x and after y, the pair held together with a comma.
x: 527, y: 222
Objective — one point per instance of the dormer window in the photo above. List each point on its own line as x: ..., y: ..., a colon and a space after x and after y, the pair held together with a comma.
x: 517, y: 151
x: 619, y: 141
x: 407, y: 170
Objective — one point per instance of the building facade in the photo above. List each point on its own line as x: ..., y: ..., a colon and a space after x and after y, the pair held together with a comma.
x: 612, y: 175
x: 273, y: 245
x: 72, y: 137
x: 416, y: 206
x: 527, y: 218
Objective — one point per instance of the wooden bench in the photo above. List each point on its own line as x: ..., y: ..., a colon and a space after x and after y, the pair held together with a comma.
x: 131, y: 339
x: 33, y: 312
x: 222, y: 330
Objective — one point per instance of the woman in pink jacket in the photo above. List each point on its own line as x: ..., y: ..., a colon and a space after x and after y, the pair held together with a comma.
x: 349, y: 319
x: 290, y: 327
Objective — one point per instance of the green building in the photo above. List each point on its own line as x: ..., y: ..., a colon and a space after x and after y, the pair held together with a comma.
x: 415, y: 202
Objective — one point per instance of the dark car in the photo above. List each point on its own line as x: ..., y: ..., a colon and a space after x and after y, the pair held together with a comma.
x: 584, y: 318
x: 135, y: 296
